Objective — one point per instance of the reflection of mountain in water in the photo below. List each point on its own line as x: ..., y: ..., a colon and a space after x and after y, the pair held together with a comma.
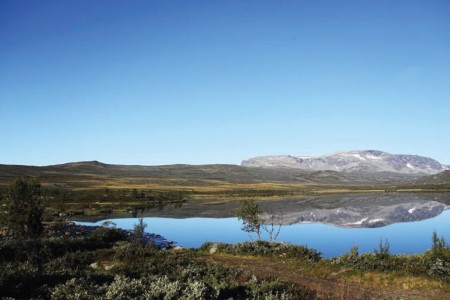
x: 357, y: 210
x: 368, y: 210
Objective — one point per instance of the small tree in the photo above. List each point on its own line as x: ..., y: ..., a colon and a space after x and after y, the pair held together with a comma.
x: 21, y: 210
x: 138, y: 231
x: 248, y: 212
x: 273, y: 220
x: 383, y: 251
x: 439, y: 248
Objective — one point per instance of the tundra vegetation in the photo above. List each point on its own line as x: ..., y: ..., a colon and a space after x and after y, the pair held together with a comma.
x: 52, y: 259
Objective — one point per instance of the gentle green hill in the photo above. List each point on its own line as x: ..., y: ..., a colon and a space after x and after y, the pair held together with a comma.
x: 91, y: 174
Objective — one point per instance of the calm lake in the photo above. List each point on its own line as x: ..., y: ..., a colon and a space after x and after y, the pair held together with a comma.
x: 331, y: 224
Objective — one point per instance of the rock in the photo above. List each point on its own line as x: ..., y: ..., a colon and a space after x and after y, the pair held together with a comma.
x: 94, y: 265
x: 352, y: 161
x: 213, y: 249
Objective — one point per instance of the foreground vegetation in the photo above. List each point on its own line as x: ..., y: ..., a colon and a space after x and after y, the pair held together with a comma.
x: 57, y: 260
x: 108, y: 265
x: 434, y: 263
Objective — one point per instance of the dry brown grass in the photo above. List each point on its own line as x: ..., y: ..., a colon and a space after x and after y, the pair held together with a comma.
x: 332, y: 282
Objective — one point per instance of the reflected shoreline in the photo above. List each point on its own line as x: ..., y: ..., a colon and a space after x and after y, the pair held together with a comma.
x: 331, y: 240
x: 349, y: 211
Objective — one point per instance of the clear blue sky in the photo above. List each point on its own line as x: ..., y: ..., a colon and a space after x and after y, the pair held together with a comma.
x: 161, y: 82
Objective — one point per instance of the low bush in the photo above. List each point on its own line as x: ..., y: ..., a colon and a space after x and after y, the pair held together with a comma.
x: 77, y: 289
x: 437, y: 259
x: 434, y: 262
x: 264, y: 248
x: 50, y: 248
x: 162, y: 287
x: 71, y: 262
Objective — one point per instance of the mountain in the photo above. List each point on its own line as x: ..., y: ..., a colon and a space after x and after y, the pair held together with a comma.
x: 89, y: 174
x: 368, y: 161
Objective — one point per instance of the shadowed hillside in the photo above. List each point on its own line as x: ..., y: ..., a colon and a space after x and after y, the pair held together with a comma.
x: 93, y: 174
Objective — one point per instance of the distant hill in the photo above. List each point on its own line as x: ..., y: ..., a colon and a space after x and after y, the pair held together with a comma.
x: 369, y: 161
x: 91, y: 173
x: 440, y: 178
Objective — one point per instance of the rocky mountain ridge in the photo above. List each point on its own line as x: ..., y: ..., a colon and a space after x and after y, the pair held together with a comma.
x: 369, y: 161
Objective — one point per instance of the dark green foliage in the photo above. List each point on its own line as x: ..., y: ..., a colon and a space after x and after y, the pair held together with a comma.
x: 75, y: 274
x: 438, y: 257
x: 434, y: 262
x: 134, y: 194
x: 77, y: 289
x: 439, y: 247
x: 108, y: 234
x: 21, y: 210
x: 28, y: 268
x: 380, y: 260
x: 19, y: 250
x: 383, y: 251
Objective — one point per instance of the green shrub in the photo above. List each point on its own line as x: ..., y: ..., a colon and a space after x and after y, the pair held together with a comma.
x: 17, y: 279
x: 383, y: 251
x: 160, y: 287
x: 348, y: 259
x: 437, y: 259
x: 434, y: 262
x: 264, y: 248
x: 123, y: 288
x: 108, y: 234
x: 21, y: 209
x: 70, y: 263
x: 438, y: 268
x: 77, y: 289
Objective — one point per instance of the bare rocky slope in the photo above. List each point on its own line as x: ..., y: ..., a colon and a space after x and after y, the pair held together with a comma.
x: 368, y: 161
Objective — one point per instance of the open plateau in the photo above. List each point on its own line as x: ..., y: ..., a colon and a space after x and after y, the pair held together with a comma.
x: 349, y: 225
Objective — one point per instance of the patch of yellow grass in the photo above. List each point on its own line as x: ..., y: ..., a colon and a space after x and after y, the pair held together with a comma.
x: 399, y: 281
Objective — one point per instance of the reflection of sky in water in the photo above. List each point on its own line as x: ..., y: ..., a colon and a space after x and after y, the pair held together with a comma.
x: 411, y: 237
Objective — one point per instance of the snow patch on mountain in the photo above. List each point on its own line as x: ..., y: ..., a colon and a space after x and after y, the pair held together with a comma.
x: 368, y: 161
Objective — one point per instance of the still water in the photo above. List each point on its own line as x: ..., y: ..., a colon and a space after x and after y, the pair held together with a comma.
x: 407, y: 225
